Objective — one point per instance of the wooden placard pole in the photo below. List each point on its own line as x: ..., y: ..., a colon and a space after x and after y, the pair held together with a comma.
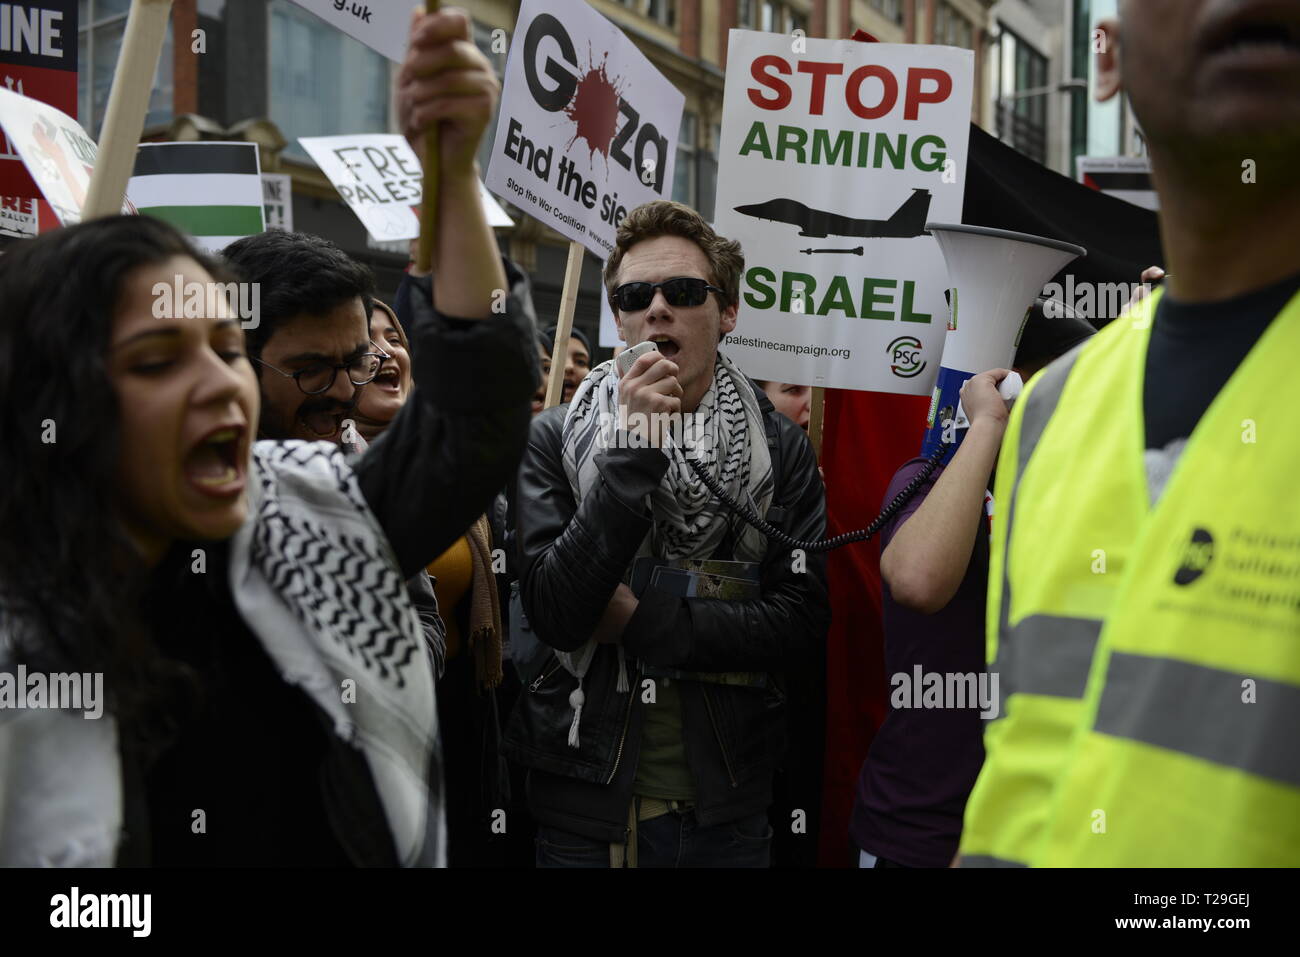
x: 429, y: 195
x: 128, y: 101
x: 568, y: 300
x: 815, y: 419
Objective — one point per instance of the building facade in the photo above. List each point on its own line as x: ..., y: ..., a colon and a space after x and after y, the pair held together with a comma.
x: 270, y: 72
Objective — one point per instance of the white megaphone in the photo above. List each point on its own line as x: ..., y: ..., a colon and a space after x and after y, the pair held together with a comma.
x: 994, y: 277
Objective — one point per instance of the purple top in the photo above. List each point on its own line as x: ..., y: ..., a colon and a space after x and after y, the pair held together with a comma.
x: 913, y: 787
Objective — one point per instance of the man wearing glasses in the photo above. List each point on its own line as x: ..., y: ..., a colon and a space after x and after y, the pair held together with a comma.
x: 314, y: 324
x: 655, y: 719
x: 313, y: 354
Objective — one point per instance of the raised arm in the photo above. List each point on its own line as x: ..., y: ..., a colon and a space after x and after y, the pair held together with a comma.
x: 458, y: 440
x: 926, y: 560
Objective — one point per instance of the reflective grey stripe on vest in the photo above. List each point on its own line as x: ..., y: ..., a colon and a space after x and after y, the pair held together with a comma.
x: 1042, y: 654
x: 1048, y: 655
x: 1198, y: 711
x: 981, y: 860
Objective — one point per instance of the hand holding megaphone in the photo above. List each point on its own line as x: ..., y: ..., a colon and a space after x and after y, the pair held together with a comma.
x: 982, y: 399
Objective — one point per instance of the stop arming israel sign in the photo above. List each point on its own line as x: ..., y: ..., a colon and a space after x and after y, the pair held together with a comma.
x: 834, y: 155
x: 587, y: 129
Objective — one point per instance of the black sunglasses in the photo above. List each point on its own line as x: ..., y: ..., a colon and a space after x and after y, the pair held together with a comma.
x: 682, y: 291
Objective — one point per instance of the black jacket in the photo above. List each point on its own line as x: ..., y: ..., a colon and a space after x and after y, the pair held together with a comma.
x: 571, y: 560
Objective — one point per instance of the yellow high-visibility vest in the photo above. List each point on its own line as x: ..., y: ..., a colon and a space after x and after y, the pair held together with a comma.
x: 1149, y: 655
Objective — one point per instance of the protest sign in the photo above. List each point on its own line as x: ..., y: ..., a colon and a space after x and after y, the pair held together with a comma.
x: 1124, y: 177
x: 382, y: 25
x: 608, y: 327
x: 211, y: 191
x: 18, y: 219
x: 377, y: 174
x: 832, y: 160
x: 55, y: 149
x: 497, y: 217
x: 587, y: 128
x: 38, y: 59
x: 277, y: 201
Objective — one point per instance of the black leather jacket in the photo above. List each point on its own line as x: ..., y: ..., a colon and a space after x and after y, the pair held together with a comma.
x: 571, y: 560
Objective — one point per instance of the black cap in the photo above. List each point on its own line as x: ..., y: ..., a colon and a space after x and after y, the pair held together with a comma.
x: 574, y: 333
x: 1051, y: 329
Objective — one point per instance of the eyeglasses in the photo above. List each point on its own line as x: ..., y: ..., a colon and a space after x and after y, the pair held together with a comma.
x: 318, y: 378
x: 681, y: 291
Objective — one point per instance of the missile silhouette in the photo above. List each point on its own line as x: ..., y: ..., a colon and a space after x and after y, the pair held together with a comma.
x: 857, y: 251
x: 907, y: 221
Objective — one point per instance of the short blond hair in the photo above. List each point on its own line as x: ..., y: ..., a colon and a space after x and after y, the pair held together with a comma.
x: 663, y: 217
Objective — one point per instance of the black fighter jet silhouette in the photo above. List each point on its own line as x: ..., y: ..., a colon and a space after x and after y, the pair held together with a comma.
x: 907, y: 221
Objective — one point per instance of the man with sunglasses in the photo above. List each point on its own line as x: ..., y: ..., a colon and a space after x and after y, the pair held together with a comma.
x: 652, y: 723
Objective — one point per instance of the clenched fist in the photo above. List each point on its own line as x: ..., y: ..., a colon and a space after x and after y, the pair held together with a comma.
x: 446, y: 81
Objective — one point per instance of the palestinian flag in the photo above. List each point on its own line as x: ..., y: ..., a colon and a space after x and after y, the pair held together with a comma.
x: 210, y: 191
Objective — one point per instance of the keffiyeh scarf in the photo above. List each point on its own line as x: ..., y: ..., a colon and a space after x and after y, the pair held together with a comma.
x: 314, y: 576
x: 725, y: 434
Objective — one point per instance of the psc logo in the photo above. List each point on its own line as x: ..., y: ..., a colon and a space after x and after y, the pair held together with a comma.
x: 1196, y: 557
x: 905, y: 357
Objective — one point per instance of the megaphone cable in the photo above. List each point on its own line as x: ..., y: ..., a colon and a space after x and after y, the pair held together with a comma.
x: 826, y: 544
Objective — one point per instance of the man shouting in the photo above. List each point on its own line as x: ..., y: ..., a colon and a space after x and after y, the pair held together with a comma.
x: 654, y: 719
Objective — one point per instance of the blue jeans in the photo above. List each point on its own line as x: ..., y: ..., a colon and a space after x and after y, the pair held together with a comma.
x: 670, y: 840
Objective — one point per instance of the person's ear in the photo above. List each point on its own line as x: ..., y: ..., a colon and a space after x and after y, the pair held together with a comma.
x: 727, y: 320
x: 618, y: 322
x: 1105, y: 43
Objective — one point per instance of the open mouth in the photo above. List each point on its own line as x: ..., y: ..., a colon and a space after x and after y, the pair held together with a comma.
x: 388, y: 379
x: 667, y: 345
x: 323, y: 423
x: 215, y: 464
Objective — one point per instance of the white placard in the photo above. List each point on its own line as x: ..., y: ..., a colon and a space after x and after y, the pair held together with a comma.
x: 832, y: 160
x: 382, y: 25
x: 496, y: 216
x: 18, y: 217
x: 608, y: 327
x: 55, y: 150
x: 587, y: 128
x: 277, y: 201
x: 1124, y: 177
x: 377, y: 174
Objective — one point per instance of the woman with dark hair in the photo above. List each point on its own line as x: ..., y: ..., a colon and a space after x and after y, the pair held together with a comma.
x: 260, y: 708
x: 269, y: 697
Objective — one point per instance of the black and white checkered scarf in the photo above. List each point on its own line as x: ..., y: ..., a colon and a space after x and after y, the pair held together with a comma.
x: 688, y: 522
x: 314, y: 577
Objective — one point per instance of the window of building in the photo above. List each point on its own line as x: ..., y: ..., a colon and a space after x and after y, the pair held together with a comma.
x: 951, y: 28
x: 707, y: 162
x: 770, y: 19
x: 101, y: 24
x: 1022, y: 120
x: 770, y: 16
x: 663, y: 12
x: 684, y: 173
x: 322, y: 82
x: 891, y: 10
